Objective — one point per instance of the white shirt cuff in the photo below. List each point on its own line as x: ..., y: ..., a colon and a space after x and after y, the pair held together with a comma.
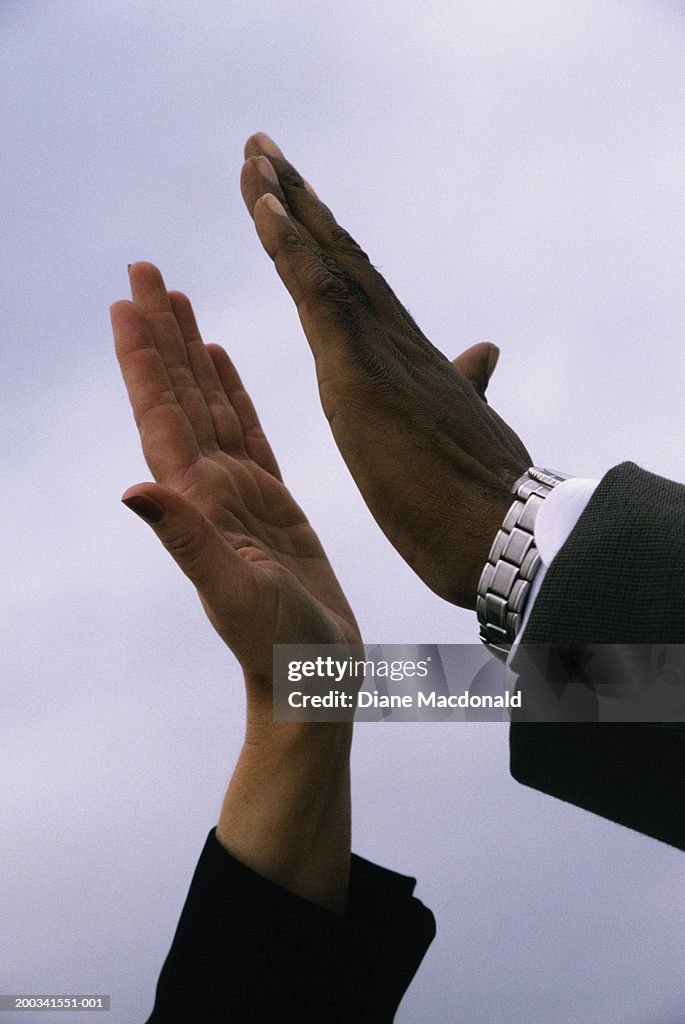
x: 557, y: 517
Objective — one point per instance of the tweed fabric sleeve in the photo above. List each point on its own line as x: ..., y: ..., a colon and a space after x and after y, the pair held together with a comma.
x: 619, y: 579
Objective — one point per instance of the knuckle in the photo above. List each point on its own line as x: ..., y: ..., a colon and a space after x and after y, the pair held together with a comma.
x: 328, y: 287
x: 185, y: 546
x: 340, y: 236
x: 331, y: 302
x: 377, y: 374
x: 290, y: 242
x: 345, y: 243
x: 359, y: 294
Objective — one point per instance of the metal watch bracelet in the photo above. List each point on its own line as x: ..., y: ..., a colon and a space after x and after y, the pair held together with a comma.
x: 505, y: 582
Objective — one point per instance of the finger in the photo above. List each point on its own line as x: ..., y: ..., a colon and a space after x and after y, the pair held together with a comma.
x: 258, y: 176
x: 168, y: 440
x: 209, y: 561
x: 253, y: 437
x: 478, y: 364
x: 227, y: 426
x: 318, y: 221
x: 151, y: 297
x: 331, y: 315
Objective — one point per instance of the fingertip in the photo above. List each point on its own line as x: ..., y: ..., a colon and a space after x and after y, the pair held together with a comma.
x: 223, y: 364
x: 148, y: 287
x: 145, y: 277
x: 143, y: 267
x: 249, y: 165
x: 121, y: 306
x: 477, y: 363
x: 251, y: 148
x: 272, y: 223
x: 217, y: 354
x: 180, y: 301
x: 143, y: 504
x: 257, y: 175
x: 266, y: 169
x: 135, y: 489
x: 273, y: 204
x: 260, y: 142
x: 493, y: 359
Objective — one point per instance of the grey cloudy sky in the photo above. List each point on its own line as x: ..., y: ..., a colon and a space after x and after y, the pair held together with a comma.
x: 516, y: 170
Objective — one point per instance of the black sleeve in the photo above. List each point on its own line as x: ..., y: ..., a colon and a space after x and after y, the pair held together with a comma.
x: 247, y: 950
x: 619, y: 579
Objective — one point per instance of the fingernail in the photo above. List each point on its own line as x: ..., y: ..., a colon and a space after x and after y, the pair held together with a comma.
x: 266, y: 170
x: 309, y: 188
x: 274, y: 204
x: 146, y: 508
x: 268, y: 145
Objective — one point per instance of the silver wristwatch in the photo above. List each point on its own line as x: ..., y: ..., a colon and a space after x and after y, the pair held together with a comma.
x: 513, y: 561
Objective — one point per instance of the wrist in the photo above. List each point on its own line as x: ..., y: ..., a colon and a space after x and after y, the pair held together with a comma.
x: 474, y: 549
x: 318, y: 742
x: 286, y: 813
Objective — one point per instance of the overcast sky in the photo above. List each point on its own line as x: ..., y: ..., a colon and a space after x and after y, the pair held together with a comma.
x: 516, y: 169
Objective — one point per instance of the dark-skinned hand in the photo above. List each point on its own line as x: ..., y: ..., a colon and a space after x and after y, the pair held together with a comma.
x: 433, y: 461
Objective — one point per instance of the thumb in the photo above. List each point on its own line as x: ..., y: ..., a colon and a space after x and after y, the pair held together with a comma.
x: 189, y: 537
x: 478, y: 364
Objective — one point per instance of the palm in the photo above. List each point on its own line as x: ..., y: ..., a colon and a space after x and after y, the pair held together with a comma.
x: 270, y: 581
x: 291, y: 595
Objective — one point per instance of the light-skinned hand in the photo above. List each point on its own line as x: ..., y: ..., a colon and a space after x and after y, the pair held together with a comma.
x: 219, y: 505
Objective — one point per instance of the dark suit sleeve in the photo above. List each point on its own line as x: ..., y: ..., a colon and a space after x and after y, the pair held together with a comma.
x: 619, y: 579
x: 247, y: 950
